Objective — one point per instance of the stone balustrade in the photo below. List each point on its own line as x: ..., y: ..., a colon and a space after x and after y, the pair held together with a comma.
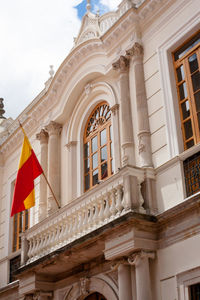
x: 101, y: 205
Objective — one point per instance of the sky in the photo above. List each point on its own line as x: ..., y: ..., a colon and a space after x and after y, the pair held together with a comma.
x: 35, y: 34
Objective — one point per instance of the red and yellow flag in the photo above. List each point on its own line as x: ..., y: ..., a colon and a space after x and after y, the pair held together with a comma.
x: 29, y: 169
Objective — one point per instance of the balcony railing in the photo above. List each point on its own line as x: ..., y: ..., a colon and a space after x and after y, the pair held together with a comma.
x: 112, y: 198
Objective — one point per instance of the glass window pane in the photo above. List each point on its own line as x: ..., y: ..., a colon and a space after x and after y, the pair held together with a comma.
x: 86, y: 150
x: 87, y: 165
x: 190, y: 144
x: 188, y: 129
x: 111, y: 150
x: 95, y: 177
x: 193, y: 63
x: 185, y: 109
x: 26, y: 219
x: 183, y: 91
x: 94, y: 144
x: 183, y: 50
x: 104, y: 170
x: 103, y: 153
x: 103, y: 137
x: 112, y: 166
x: 94, y: 161
x: 180, y: 73
x: 87, y: 182
x: 198, y: 119
x: 110, y: 128
x: 197, y: 100
x: 196, y: 81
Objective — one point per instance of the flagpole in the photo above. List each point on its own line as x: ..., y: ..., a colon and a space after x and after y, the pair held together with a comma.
x: 43, y: 173
x: 51, y: 190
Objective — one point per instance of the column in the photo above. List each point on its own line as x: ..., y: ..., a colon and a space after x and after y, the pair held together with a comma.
x: 53, y: 130
x: 142, y: 273
x: 116, y: 140
x: 72, y: 169
x: 43, y: 138
x: 127, y: 145
x: 144, y: 137
x: 124, y: 281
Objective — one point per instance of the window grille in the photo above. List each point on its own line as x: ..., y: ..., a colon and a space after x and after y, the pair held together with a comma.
x: 192, y: 174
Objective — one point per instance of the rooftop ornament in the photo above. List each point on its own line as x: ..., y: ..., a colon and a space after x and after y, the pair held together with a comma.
x: 2, y: 111
x: 88, y: 6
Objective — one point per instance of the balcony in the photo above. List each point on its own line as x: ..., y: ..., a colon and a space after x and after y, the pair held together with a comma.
x: 107, y: 202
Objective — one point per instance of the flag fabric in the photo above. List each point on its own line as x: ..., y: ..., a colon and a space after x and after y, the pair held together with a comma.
x: 29, y: 169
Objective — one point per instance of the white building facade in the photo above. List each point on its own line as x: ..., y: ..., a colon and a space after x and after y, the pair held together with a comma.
x: 117, y: 132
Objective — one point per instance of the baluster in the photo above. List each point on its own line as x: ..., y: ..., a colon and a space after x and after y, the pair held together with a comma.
x: 90, y: 216
x: 70, y: 222
x: 101, y: 212
x: 30, y: 248
x: 85, y: 220
x: 36, y: 246
x: 80, y: 223
x: 66, y: 231
x: 107, y: 213
x: 96, y: 212
x: 75, y: 224
x: 47, y: 241
x: 43, y: 244
x: 113, y: 208
x: 119, y: 199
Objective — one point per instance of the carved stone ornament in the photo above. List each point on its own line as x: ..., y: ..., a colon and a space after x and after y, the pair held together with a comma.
x: 122, y: 64
x: 114, y: 109
x: 141, y: 146
x: 136, y: 50
x: 135, y: 258
x: 84, y: 286
x: 42, y: 136
x: 53, y: 128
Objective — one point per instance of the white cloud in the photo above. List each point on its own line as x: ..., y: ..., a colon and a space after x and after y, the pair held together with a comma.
x: 34, y: 34
x: 111, y: 4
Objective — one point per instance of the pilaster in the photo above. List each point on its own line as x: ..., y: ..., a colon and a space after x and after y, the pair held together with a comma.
x: 72, y: 167
x: 54, y: 130
x: 144, y: 138
x: 127, y: 145
x: 143, y: 282
x: 43, y: 138
x: 124, y: 282
x: 116, y: 141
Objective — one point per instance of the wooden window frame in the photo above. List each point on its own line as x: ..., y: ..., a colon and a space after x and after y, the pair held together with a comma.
x: 21, y: 222
x: 193, y: 117
x: 88, y: 137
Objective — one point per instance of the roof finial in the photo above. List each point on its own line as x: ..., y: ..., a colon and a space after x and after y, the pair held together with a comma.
x: 2, y: 111
x: 51, y: 71
x: 88, y: 5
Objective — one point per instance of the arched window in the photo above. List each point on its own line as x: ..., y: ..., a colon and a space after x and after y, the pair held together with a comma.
x: 95, y: 296
x: 98, y: 161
